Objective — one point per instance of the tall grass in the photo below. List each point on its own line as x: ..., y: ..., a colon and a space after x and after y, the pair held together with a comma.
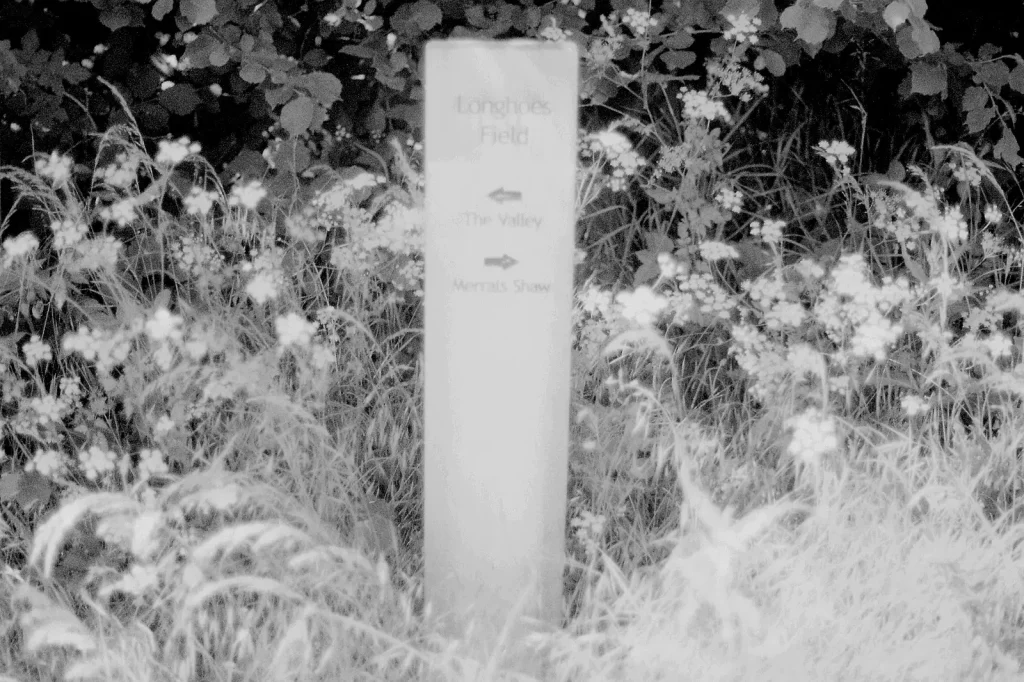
x: 794, y: 453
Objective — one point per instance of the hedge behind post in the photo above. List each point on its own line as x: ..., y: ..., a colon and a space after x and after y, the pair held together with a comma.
x: 500, y: 151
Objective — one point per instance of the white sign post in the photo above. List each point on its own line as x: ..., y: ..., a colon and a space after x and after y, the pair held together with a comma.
x: 500, y: 153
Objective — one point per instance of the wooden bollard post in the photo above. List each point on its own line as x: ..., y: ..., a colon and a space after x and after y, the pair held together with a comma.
x: 501, y: 150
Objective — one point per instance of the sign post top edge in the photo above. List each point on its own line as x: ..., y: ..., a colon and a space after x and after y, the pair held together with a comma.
x: 509, y: 43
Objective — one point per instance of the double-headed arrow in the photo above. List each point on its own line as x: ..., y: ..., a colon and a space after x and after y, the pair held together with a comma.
x: 505, y: 262
x: 501, y: 195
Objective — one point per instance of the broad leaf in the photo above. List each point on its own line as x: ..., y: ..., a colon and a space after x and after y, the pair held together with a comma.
x: 361, y: 51
x: 279, y: 96
x: 30, y: 41
x: 251, y: 72
x: 26, y: 489
x: 12, y: 71
x: 993, y: 74
x: 677, y: 60
x: 814, y: 25
x: 978, y: 119
x: 291, y: 156
x: 248, y: 164
x: 297, y: 116
x: 896, y: 172
x: 1016, y: 78
x: 324, y: 87
x: 1007, y: 149
x: 905, y: 42
x: 152, y: 117
x: 927, y: 79
x: 198, y: 51
x: 917, y: 7
x: 975, y: 97
x: 660, y: 195
x: 198, y: 11
x: 121, y: 16
x: 75, y: 73
x: 180, y: 99
x: 679, y: 41
x: 771, y: 60
x: 638, y: 340
x: 161, y: 8
x: 426, y: 15
x: 657, y: 243
x: 316, y: 58
x: 219, y: 56
x: 896, y: 14
x: 738, y: 7
x: 926, y: 39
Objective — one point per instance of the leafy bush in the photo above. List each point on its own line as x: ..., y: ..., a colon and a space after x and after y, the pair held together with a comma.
x: 184, y: 353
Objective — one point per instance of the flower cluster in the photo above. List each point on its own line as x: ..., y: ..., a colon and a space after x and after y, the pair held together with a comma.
x: 396, y: 237
x: 813, y: 435
x: 730, y: 199
x: 56, y: 168
x: 770, y: 231
x: 742, y: 28
x: 638, y: 21
x: 699, y: 293
x: 737, y: 79
x: 267, y: 276
x: 617, y: 150
x: 773, y: 299
x: 200, y: 201
x: 641, y: 306
x: 712, y: 251
x: 589, y: 529
x: 670, y: 267
x: 96, y: 462
x: 918, y: 212
x: 68, y: 232
x: 96, y: 254
x: 199, y: 260
x: 107, y: 349
x: 151, y: 463
x: 172, y: 152
x: 596, y: 320
x: 699, y: 106
x: 121, y: 212
x: 966, y: 171
x: 893, y: 216
x: 305, y: 226
x: 71, y: 390
x: 122, y: 173
x: 247, y: 196
x: 164, y: 326
x: 48, y: 410
x: 36, y: 351
x: 47, y: 463
x: 950, y: 225
x: 553, y: 33
x: 602, y: 51
x: 837, y: 153
x: 294, y: 330
x: 853, y: 310
x: 762, y: 358
x: 993, y: 216
x: 17, y: 248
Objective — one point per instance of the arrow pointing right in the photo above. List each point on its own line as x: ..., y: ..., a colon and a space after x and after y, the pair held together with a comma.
x: 505, y: 262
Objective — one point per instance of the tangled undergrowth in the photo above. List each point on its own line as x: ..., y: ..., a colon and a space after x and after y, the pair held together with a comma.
x: 795, y: 452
